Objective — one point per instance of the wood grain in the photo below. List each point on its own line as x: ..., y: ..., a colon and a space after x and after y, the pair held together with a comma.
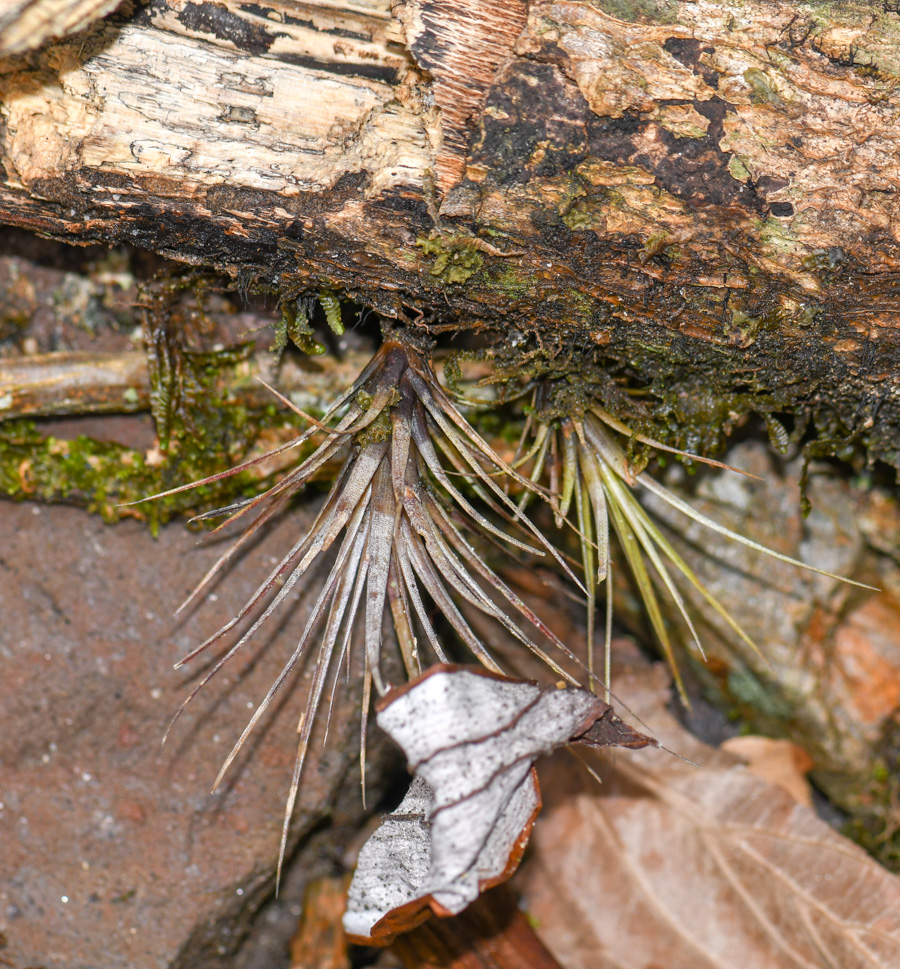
x: 704, y: 193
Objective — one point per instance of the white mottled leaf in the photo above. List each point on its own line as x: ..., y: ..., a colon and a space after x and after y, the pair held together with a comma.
x: 470, y: 738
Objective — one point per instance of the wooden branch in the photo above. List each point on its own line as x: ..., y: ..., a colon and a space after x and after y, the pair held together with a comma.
x: 80, y: 382
x: 55, y: 384
x: 706, y: 192
x: 26, y: 24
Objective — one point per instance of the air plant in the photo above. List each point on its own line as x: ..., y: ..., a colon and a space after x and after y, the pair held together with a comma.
x: 403, y: 531
x: 577, y: 455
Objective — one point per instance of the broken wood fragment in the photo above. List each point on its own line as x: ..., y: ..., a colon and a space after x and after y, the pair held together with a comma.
x: 54, y: 384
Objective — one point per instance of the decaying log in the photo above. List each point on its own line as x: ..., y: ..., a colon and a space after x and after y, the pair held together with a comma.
x: 704, y: 192
x: 26, y: 24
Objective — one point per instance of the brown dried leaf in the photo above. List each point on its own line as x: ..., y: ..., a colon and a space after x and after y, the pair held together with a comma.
x: 776, y: 761
x: 492, y: 933
x: 470, y: 738
x: 714, y: 868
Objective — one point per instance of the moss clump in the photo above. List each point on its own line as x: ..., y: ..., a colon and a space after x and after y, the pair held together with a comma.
x: 295, y: 327
x: 583, y: 214
x: 381, y: 428
x: 511, y: 282
x: 103, y: 476
x: 456, y: 256
x: 201, y: 429
x: 331, y: 305
x: 641, y: 11
x: 83, y: 471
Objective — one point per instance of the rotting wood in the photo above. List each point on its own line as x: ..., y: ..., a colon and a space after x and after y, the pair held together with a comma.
x: 26, y: 24
x: 704, y: 192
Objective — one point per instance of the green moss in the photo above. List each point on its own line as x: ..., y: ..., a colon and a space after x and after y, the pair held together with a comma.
x: 294, y: 326
x: 102, y: 476
x: 641, y: 11
x: 584, y: 205
x: 381, y: 428
x: 583, y: 214
x: 581, y: 307
x: 332, y: 307
x: 762, y: 88
x: 202, y: 431
x: 456, y: 255
x: 83, y: 470
x: 656, y: 243
x: 510, y: 281
x: 738, y: 170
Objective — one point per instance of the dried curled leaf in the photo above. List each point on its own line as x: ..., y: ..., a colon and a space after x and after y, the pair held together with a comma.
x: 397, y: 884
x: 470, y: 738
x: 668, y: 865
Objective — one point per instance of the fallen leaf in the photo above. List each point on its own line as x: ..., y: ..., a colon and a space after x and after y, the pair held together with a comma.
x: 470, y: 738
x: 669, y: 865
x: 777, y: 761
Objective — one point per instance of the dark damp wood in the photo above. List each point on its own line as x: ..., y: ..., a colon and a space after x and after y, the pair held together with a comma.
x: 702, y: 195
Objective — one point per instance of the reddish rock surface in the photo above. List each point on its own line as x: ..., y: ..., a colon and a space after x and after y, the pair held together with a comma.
x: 112, y: 852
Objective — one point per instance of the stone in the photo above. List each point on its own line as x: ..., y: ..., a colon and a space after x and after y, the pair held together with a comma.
x: 113, y: 852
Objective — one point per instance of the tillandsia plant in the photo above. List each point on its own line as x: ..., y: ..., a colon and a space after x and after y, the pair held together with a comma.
x: 403, y: 531
x: 400, y: 531
x: 573, y: 450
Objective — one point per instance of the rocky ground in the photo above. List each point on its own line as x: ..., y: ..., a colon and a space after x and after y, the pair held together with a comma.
x: 114, y: 854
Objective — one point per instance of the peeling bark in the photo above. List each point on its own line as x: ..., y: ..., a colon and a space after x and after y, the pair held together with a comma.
x: 704, y: 192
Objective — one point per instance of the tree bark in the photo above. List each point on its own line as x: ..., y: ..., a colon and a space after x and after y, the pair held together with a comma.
x: 700, y: 192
